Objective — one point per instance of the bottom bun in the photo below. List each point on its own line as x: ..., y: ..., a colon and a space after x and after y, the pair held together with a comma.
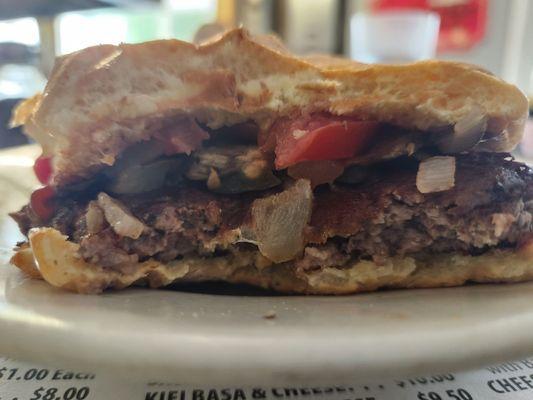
x: 56, y: 260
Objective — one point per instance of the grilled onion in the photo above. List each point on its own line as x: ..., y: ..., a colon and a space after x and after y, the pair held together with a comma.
x: 436, y: 174
x: 94, y: 217
x: 118, y: 216
x: 278, y: 222
x: 232, y: 169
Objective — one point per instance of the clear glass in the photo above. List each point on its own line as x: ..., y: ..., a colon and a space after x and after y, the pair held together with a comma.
x: 394, y: 36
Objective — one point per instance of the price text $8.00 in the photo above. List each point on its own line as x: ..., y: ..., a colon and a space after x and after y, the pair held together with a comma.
x: 53, y: 393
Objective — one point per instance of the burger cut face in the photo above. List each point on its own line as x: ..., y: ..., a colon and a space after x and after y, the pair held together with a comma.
x: 305, y: 201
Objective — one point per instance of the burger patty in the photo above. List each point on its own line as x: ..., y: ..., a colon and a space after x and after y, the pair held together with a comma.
x: 490, y: 205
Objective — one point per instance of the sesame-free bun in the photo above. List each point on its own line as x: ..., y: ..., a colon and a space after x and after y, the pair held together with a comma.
x: 101, y: 99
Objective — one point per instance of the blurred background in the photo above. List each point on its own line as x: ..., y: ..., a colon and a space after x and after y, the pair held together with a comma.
x: 495, y: 34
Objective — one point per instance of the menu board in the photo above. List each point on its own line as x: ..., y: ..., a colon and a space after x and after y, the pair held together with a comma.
x: 24, y: 381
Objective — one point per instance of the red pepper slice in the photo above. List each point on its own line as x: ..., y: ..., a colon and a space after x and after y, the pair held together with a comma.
x: 43, y: 169
x: 42, y: 202
x: 321, y: 138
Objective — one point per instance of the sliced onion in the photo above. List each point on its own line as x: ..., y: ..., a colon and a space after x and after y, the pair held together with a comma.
x: 467, y: 132
x: 278, y: 222
x: 120, y: 219
x: 436, y: 174
x: 94, y: 217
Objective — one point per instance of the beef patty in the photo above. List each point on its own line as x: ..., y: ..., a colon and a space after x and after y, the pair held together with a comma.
x: 490, y: 205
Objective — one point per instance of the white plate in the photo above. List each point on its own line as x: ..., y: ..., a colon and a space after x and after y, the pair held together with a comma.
x: 220, y: 338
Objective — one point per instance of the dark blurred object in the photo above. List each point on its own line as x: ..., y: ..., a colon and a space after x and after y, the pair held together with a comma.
x: 24, y: 8
x: 18, y: 53
x: 11, y: 9
x: 256, y: 15
x: 308, y: 27
x: 10, y: 136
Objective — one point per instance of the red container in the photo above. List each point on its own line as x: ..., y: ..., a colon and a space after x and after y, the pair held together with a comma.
x: 462, y: 22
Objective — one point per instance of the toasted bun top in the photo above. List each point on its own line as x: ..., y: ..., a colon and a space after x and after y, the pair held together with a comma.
x: 101, y: 99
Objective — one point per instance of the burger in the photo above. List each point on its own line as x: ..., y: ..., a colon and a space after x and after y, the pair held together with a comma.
x: 236, y: 161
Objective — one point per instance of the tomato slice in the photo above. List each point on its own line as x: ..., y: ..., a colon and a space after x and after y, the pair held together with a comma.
x: 43, y: 169
x: 42, y: 202
x: 321, y: 138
